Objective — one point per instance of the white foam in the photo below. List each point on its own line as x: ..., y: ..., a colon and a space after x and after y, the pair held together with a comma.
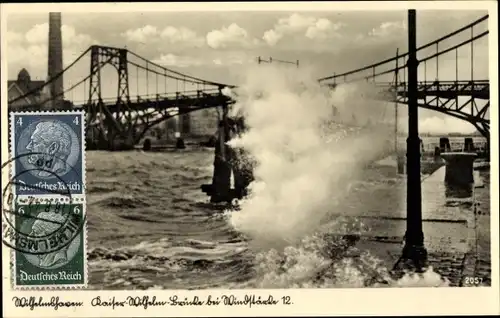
x: 304, y: 160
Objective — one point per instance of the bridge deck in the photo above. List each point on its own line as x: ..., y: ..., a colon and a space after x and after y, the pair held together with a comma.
x: 186, y: 101
x: 444, y: 89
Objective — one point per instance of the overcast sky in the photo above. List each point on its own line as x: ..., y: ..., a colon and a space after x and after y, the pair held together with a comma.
x: 217, y: 45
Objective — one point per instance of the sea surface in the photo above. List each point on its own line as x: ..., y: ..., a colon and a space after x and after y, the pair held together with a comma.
x: 151, y: 227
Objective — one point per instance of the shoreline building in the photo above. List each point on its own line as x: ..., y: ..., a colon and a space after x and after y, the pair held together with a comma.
x: 22, y: 85
x: 41, y: 95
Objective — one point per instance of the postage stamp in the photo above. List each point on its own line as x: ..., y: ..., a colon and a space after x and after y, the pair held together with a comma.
x: 48, y: 238
x: 44, y: 210
x: 49, y: 152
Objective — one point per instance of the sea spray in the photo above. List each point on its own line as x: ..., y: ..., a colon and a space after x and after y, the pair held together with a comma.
x: 305, y: 156
x: 309, y: 148
x: 307, y: 266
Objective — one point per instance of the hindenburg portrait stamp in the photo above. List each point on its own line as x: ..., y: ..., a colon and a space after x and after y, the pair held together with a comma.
x: 49, y: 147
x: 49, y: 242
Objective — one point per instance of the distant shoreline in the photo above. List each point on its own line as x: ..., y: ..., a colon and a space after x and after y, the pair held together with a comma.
x: 445, y: 135
x: 455, y: 135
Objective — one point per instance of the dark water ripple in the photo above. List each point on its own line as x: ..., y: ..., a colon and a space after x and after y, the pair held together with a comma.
x: 149, y: 226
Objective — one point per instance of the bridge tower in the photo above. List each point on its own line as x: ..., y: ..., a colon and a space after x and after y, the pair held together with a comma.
x: 115, y: 129
x: 55, y: 59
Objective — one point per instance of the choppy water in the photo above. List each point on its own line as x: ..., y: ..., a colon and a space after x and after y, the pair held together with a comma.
x: 149, y: 226
x: 320, y: 213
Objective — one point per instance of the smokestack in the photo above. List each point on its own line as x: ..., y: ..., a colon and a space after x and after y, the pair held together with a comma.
x: 55, y: 62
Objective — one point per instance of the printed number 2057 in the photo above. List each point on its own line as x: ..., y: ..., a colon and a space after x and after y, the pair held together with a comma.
x: 473, y: 280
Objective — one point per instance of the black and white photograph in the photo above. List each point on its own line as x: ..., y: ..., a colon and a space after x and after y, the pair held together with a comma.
x: 262, y: 149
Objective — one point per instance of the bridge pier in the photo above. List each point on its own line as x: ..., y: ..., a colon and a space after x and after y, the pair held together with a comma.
x: 242, y: 164
x: 229, y: 161
x: 219, y: 190
x: 459, y: 168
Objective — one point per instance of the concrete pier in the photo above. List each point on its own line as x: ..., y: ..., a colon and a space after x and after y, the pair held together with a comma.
x: 459, y: 168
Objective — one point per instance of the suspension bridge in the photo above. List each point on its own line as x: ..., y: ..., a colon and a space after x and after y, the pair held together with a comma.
x: 147, y: 93
x: 466, y: 99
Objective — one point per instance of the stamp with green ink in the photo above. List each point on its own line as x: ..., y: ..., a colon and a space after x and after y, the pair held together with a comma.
x: 50, y: 244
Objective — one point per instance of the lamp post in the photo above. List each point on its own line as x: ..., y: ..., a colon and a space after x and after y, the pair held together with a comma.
x: 414, y: 249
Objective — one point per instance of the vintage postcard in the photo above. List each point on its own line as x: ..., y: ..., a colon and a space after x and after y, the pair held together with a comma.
x: 249, y: 159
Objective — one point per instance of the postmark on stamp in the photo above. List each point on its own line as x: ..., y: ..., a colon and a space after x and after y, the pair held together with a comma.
x: 49, y: 152
x: 49, y: 242
x: 47, y: 235
x: 43, y: 205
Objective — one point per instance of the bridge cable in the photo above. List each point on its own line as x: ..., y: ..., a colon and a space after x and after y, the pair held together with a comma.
x: 169, y: 76
x: 437, y: 62
x: 147, y: 80
x: 405, y: 54
x: 51, y: 79
x: 192, y: 78
x: 66, y: 90
x: 428, y: 57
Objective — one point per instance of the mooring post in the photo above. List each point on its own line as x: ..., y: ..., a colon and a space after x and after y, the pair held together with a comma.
x: 414, y: 249
x: 459, y: 168
x: 469, y: 145
x: 444, y: 144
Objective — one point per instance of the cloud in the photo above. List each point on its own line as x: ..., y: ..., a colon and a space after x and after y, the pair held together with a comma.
x: 14, y: 37
x: 224, y: 59
x: 233, y: 58
x: 170, y: 34
x: 439, y: 125
x: 29, y: 50
x: 272, y: 37
x: 322, y: 28
x: 141, y: 34
x: 177, y: 61
x: 40, y: 32
x: 388, y: 29
x: 185, y: 35
x: 233, y: 35
x: 310, y: 27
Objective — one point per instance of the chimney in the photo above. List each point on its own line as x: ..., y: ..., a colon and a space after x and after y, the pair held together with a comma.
x: 55, y: 62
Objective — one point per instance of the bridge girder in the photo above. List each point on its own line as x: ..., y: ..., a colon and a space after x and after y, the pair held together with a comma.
x: 148, y: 113
x: 447, y: 97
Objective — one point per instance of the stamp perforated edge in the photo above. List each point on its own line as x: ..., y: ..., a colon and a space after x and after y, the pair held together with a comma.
x: 57, y: 287
x: 48, y: 113
x: 81, y: 196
